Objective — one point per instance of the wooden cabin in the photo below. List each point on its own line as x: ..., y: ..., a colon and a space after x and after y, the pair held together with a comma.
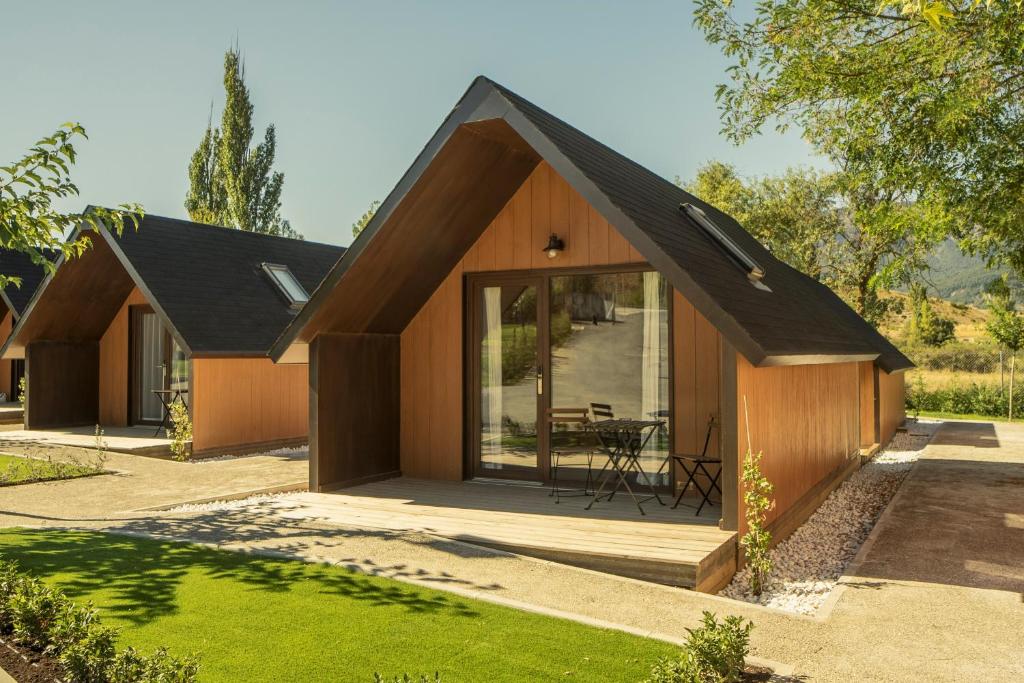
x: 172, y: 311
x: 520, y: 266
x: 14, y: 299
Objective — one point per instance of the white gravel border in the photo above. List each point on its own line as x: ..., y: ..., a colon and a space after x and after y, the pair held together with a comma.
x: 808, y: 564
x: 232, y: 503
x: 295, y: 453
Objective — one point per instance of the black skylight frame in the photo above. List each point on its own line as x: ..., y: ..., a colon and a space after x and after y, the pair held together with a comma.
x: 276, y: 272
x: 754, y: 270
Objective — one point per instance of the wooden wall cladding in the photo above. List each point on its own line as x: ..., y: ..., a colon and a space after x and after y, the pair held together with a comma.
x: 80, y: 301
x: 868, y: 404
x: 804, y: 418
x: 696, y: 360
x: 892, y: 403
x: 354, y: 404
x: 6, y: 325
x: 431, y: 345
x: 115, y: 357
x: 246, y: 401
x: 63, y: 384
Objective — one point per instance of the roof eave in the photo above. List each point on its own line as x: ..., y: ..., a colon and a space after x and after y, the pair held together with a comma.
x: 484, y: 101
x: 779, y: 360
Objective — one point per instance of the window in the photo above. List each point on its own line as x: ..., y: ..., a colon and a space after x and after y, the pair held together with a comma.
x: 293, y: 291
x: 753, y: 269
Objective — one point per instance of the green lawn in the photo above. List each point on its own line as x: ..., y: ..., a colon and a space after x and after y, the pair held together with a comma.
x: 16, y: 470
x: 260, y: 619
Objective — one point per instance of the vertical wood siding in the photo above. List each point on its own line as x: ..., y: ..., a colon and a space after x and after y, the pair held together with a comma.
x: 696, y: 353
x: 431, y: 438
x: 892, y: 403
x: 6, y: 325
x: 804, y: 418
x: 866, y: 372
x: 243, y: 401
x: 115, y: 357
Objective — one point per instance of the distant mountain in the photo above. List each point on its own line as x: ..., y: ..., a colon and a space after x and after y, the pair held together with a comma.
x: 960, y: 278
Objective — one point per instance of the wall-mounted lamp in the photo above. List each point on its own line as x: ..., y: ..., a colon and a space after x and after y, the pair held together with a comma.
x: 555, y: 246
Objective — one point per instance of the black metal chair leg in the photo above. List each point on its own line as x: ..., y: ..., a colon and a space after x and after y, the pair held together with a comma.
x: 682, y: 491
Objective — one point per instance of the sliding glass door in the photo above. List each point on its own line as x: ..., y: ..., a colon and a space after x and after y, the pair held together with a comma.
x: 564, y: 340
x: 152, y: 366
x: 609, y: 344
x: 509, y: 377
x: 159, y: 367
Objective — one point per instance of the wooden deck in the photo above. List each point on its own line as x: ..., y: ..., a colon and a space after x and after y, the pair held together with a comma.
x: 673, y: 547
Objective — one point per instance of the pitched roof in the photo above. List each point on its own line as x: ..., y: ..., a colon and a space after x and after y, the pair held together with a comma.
x: 206, y: 282
x: 798, y: 321
x: 19, y: 264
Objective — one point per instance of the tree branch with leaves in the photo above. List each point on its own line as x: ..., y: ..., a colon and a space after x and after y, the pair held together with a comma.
x: 31, y: 223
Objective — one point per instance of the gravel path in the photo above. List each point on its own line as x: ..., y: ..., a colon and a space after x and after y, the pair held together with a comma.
x: 808, y: 564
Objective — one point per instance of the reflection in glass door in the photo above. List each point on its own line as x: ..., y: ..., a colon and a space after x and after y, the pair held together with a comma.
x: 609, y: 344
x: 510, y: 378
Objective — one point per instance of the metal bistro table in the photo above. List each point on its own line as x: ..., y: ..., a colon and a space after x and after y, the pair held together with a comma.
x: 623, y: 441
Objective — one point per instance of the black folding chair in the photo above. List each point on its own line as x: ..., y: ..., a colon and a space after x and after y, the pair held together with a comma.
x: 569, y: 437
x: 695, y: 465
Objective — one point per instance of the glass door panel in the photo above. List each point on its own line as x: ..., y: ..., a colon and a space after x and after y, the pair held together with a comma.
x: 609, y: 344
x: 152, y: 371
x: 509, y: 379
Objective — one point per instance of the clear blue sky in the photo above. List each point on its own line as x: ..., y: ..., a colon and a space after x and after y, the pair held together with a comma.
x: 355, y: 89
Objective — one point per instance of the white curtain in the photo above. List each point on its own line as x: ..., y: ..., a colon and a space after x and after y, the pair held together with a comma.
x: 153, y: 367
x: 492, y: 390
x: 653, y: 349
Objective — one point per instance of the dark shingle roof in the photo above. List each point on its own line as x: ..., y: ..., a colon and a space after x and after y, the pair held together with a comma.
x: 19, y: 264
x: 210, y: 283
x: 798, y: 321
x: 799, y: 317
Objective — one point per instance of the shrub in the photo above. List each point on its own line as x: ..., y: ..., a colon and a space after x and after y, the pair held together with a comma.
x: 757, y: 501
x: 22, y: 392
x: 968, y: 399
x: 129, y: 666
x: 89, y: 659
x: 714, y: 653
x: 43, y: 619
x: 35, y: 609
x: 181, y: 433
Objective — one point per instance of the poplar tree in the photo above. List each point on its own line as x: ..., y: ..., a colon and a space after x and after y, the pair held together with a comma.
x: 231, y: 182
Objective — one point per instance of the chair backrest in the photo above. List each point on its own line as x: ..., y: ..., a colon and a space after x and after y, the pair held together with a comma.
x: 569, y: 428
x: 707, y: 436
x: 568, y: 416
x: 601, y: 411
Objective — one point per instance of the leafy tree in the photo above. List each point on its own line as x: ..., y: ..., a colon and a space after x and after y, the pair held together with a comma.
x: 1006, y: 326
x: 926, y: 326
x: 365, y: 219
x: 232, y: 183
x: 29, y: 221
x: 933, y: 113
x: 831, y: 226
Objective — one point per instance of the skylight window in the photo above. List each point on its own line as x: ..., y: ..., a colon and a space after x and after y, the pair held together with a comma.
x: 285, y: 280
x: 754, y: 271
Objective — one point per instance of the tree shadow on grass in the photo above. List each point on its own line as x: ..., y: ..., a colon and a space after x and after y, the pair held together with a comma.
x: 143, y: 576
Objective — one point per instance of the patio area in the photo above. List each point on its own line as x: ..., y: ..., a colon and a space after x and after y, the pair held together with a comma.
x: 11, y: 413
x: 673, y: 547
x: 138, y: 440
